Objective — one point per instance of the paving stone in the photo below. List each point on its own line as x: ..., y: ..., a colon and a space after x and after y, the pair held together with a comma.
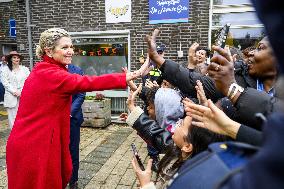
x: 90, y: 166
x: 3, y: 178
x: 94, y: 159
x: 82, y: 182
x: 111, y: 182
x: 121, y: 167
x: 2, y: 163
x: 123, y: 187
x: 128, y: 178
x: 103, y: 152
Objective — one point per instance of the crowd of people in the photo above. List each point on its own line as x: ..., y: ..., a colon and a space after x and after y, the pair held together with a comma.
x: 233, y: 115
x: 216, y: 124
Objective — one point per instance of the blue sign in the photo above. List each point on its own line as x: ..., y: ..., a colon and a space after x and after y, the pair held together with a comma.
x: 168, y: 11
x: 12, y: 24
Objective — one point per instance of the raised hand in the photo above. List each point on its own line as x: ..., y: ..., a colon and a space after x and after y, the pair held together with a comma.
x: 152, y: 48
x: 212, y: 118
x: 131, y: 75
x: 221, y: 70
x: 151, y: 84
x: 148, y: 67
x: 144, y: 177
x: 131, y: 98
x: 201, y: 94
x: 192, y: 59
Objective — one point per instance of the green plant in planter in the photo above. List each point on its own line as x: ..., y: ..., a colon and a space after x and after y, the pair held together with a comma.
x: 98, y: 97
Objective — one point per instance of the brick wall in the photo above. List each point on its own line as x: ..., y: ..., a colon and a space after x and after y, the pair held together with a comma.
x: 89, y: 15
x: 7, y: 11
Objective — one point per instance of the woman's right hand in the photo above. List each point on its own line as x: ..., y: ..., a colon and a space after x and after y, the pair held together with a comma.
x: 212, y: 118
x: 144, y: 177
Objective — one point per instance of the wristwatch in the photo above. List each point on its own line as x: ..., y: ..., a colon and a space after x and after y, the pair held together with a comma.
x: 234, y: 88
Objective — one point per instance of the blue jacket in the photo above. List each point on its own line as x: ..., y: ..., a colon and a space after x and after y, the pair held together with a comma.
x: 77, y: 99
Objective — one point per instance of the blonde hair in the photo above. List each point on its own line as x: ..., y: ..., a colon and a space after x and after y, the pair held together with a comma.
x: 48, y: 39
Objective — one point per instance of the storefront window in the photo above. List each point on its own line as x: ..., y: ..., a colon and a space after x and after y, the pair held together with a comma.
x: 99, y: 53
x: 97, y: 56
x: 243, y: 18
x: 245, y: 28
x: 231, y: 2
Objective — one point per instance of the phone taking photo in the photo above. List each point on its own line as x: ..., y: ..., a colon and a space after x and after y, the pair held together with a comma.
x: 135, y: 152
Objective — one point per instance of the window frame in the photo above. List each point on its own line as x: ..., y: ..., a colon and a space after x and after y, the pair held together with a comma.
x: 223, y: 9
x: 107, y: 34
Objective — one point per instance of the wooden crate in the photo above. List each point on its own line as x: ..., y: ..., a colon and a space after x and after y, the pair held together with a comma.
x: 97, y: 113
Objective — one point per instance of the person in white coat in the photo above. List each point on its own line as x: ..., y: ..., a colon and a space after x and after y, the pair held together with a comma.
x: 13, y: 77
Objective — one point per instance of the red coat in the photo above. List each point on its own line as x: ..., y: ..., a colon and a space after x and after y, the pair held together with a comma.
x: 38, y: 154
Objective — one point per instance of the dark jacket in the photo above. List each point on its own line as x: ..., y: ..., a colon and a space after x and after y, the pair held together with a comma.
x: 252, y: 101
x: 246, y: 106
x: 150, y: 131
x: 242, y: 76
x: 266, y: 168
x: 77, y: 99
x: 185, y: 80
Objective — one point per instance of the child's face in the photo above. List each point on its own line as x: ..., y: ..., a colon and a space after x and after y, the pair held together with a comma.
x: 181, y: 131
x: 151, y: 111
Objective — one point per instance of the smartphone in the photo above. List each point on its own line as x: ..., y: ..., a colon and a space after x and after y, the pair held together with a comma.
x: 135, y: 152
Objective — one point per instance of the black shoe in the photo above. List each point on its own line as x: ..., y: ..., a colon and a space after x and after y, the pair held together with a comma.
x: 155, y: 164
x: 74, y: 185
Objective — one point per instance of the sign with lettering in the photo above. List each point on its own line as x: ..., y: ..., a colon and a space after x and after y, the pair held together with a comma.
x: 118, y: 11
x: 12, y: 24
x: 168, y: 11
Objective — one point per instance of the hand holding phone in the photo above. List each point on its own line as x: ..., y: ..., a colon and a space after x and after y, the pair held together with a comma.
x: 135, y: 153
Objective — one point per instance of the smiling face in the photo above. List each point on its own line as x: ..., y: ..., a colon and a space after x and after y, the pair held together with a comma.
x: 63, y: 51
x: 201, y: 56
x: 262, y: 62
x: 15, y: 60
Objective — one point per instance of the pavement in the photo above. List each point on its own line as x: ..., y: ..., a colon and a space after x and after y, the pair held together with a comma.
x: 105, y: 156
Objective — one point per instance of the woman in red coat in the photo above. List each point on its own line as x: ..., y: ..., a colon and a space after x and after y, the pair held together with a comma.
x: 38, y: 154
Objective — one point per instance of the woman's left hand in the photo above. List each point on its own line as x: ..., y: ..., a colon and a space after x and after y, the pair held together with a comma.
x: 144, y: 177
